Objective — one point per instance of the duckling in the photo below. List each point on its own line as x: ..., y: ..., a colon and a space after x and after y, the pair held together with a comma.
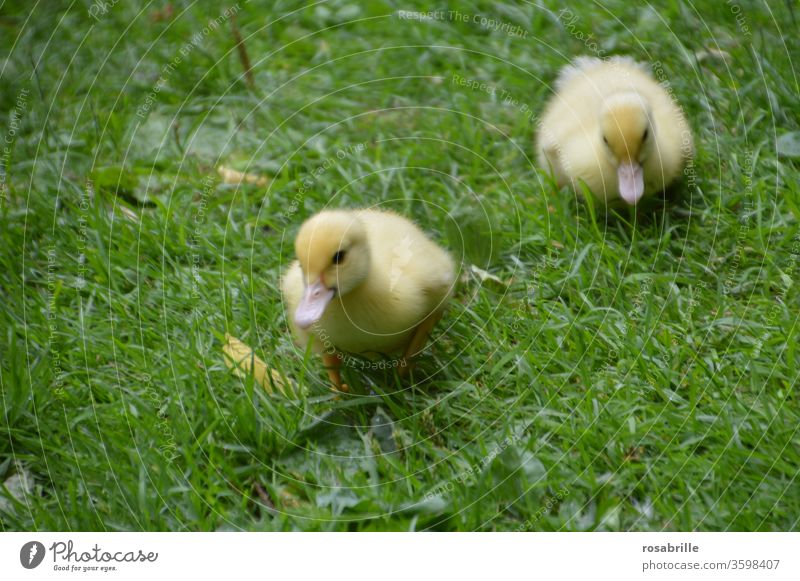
x: 613, y: 127
x: 366, y: 282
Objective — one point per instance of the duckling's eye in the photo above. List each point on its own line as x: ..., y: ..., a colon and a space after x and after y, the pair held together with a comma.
x: 339, y: 257
x: 645, y: 134
x: 605, y: 140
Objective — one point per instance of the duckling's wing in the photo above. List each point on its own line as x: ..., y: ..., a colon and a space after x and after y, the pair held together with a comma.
x: 415, y: 269
x: 548, y: 150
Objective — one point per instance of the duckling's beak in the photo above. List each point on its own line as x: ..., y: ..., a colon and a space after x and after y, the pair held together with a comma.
x: 630, y: 177
x: 312, y: 306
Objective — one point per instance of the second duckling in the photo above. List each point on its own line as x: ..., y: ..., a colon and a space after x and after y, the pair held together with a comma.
x: 366, y: 282
x: 613, y: 127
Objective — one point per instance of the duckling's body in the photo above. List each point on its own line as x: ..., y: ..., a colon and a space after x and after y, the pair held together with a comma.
x: 611, y: 126
x: 383, y: 281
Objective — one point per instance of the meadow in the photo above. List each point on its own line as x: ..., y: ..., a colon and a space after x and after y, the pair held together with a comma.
x: 596, y: 371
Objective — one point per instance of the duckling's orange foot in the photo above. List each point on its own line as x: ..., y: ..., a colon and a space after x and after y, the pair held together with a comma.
x: 341, y: 388
x: 404, y: 369
x: 333, y: 363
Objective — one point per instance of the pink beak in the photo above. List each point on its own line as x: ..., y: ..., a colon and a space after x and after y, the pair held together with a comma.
x: 630, y: 178
x: 312, y: 306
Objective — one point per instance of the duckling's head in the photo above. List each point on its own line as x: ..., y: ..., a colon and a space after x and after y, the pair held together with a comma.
x: 333, y: 252
x: 627, y: 135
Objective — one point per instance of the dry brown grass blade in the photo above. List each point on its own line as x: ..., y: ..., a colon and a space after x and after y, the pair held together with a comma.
x: 243, y: 361
x: 243, y: 56
x: 233, y: 177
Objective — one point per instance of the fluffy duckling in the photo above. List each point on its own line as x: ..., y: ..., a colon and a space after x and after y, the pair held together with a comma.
x: 366, y: 282
x: 613, y: 127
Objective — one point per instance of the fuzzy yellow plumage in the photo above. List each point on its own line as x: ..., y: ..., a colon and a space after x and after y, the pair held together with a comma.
x: 366, y: 282
x: 611, y: 126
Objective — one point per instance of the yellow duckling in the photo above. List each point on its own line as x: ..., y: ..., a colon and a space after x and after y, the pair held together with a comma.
x: 613, y: 127
x: 365, y: 282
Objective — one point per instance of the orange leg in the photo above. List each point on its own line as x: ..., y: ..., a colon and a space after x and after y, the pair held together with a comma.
x: 333, y: 363
x: 418, y: 340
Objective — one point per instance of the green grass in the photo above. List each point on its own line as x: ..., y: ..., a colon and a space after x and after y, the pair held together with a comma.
x: 626, y: 372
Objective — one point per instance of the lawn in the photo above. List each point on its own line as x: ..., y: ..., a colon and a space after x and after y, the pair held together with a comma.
x: 595, y: 371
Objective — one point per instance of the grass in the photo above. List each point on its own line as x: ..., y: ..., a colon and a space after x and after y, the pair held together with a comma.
x: 620, y: 372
